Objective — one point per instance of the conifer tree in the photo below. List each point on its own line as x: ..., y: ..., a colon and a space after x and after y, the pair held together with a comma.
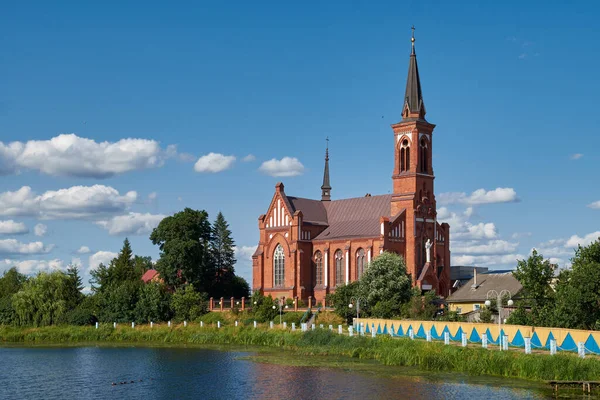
x: 223, y: 249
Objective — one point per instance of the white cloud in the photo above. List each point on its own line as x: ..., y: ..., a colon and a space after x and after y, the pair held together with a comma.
x: 131, y: 224
x: 71, y: 203
x: 10, y: 227
x: 493, y: 261
x: 152, y: 196
x: 214, y: 162
x: 30, y: 267
x: 100, y: 257
x: 244, y: 252
x: 287, y: 166
x: 575, y: 240
x: 480, y: 196
x: 83, y: 250
x: 518, y: 235
x: 595, y: 205
x: 13, y: 246
x: 492, y: 247
x: 40, y: 229
x: 249, y: 158
x: 576, y: 156
x: 479, y: 231
x: 71, y: 155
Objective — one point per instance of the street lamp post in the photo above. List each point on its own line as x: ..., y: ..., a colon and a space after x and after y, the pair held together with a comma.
x: 357, y: 300
x: 279, y: 303
x: 499, y: 296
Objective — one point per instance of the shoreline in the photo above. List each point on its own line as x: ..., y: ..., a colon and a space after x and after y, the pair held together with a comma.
x: 425, y: 356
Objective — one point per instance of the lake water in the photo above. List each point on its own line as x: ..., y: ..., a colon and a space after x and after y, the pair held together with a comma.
x: 200, y: 373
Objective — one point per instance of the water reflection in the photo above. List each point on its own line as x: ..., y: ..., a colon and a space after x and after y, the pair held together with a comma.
x: 192, y: 373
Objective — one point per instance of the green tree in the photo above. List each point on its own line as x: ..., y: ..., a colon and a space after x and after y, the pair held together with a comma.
x: 184, y: 243
x: 153, y: 303
x: 11, y: 282
x: 73, y: 287
x: 578, y: 291
x: 117, y: 302
x: 222, y: 248
x: 263, y: 310
x: 42, y: 300
x: 536, y: 275
x: 385, y: 285
x: 187, y: 304
x: 419, y: 307
x: 343, y: 297
x: 123, y: 268
x: 239, y: 287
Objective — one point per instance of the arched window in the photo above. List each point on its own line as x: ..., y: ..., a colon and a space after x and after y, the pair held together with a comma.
x: 360, y: 263
x: 318, y: 268
x: 405, y: 156
x: 424, y: 155
x: 339, y: 268
x: 278, y: 266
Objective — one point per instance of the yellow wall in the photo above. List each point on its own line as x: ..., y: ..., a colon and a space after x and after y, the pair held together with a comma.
x: 467, y: 327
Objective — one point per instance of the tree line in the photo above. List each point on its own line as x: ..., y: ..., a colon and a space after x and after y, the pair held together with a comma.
x: 569, y: 299
x: 197, y: 261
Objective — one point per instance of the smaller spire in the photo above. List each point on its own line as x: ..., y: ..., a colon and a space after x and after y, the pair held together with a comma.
x: 326, y: 187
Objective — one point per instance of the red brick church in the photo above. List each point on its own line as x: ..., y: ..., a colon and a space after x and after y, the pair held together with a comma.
x: 310, y: 247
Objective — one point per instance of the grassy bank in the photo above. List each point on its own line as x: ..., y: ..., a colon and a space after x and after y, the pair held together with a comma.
x: 402, y: 352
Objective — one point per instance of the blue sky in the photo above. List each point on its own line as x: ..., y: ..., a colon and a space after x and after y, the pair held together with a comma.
x: 512, y: 87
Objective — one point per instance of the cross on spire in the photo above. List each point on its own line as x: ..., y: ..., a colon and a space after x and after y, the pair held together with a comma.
x: 412, y: 39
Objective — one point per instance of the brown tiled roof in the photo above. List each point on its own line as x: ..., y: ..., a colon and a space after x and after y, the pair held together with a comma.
x: 312, y: 210
x: 357, y: 217
x: 485, y: 283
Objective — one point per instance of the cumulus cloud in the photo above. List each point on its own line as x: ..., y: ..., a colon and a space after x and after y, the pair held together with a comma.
x: 100, y: 257
x: 492, y: 247
x: 249, y: 158
x: 576, y: 156
x: 131, y: 224
x: 244, y: 252
x: 13, y: 246
x: 71, y: 203
x: 576, y: 240
x: 494, y: 261
x: 287, y: 166
x: 463, y: 229
x: 83, y: 250
x: 478, y: 231
x: 214, y: 162
x: 10, y: 227
x: 30, y: 267
x: 40, y: 229
x: 74, y: 156
x: 480, y: 196
x: 595, y: 205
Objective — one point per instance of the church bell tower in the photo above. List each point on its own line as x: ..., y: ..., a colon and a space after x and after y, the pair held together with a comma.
x: 413, y: 173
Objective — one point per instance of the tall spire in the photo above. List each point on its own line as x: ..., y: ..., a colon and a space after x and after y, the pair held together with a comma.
x: 326, y: 187
x: 413, y: 108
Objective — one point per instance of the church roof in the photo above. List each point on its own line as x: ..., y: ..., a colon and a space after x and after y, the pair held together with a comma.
x: 346, y: 218
x: 313, y: 211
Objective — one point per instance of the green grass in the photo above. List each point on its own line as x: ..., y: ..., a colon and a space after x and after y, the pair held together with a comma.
x: 402, y: 352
